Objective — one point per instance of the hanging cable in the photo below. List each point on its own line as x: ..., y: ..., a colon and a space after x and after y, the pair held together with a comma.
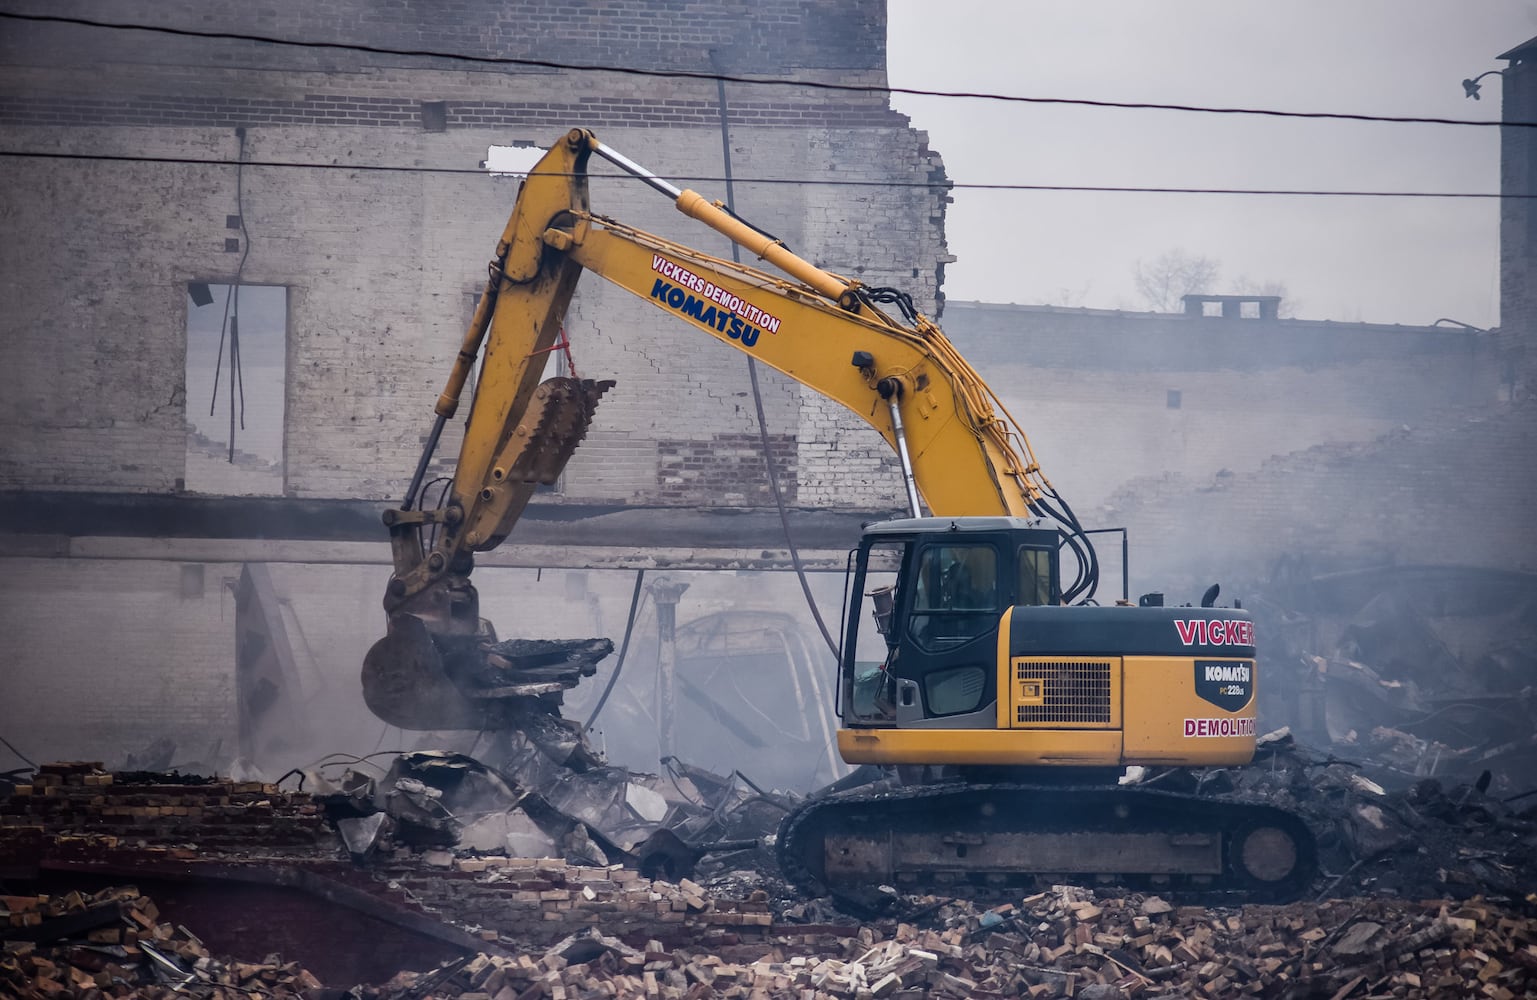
x: 757, y: 392
x: 18, y: 753
x: 230, y: 325
x: 720, y: 77
x: 801, y: 181
x: 218, y: 364
x: 624, y: 647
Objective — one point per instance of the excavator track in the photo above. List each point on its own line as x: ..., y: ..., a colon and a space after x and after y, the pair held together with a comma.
x: 968, y: 839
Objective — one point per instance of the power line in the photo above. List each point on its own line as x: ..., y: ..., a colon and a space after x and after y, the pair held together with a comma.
x: 805, y: 182
x: 754, y: 81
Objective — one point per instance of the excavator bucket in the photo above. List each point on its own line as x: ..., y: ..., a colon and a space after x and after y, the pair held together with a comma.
x: 415, y: 680
x: 406, y: 685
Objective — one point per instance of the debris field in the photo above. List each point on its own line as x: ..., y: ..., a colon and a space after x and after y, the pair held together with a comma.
x: 1462, y: 923
x: 540, y: 872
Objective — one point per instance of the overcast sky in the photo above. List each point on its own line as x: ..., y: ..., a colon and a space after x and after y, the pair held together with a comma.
x: 1351, y: 259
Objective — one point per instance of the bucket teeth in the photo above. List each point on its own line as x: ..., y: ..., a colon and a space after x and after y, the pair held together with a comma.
x: 565, y: 412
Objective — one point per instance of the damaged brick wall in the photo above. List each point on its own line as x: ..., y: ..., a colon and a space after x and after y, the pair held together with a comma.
x: 750, y: 36
x: 107, y: 657
x: 377, y: 265
x: 722, y: 470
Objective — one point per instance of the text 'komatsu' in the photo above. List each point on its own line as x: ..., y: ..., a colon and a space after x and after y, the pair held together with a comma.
x: 730, y: 313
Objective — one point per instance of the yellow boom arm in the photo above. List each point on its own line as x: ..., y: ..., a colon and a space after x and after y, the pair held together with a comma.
x: 966, y: 457
x: 958, y: 447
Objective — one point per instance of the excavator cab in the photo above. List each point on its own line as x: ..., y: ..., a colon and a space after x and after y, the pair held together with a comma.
x: 927, y: 596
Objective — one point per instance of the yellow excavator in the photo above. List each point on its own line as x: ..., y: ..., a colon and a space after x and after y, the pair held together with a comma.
x: 1009, y: 697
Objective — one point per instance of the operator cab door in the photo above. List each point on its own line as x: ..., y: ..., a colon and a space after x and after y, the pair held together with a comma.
x: 947, y: 650
x: 932, y: 658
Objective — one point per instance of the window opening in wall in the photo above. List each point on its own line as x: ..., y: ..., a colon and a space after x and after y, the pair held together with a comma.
x: 237, y: 363
x: 511, y: 161
x: 435, y: 116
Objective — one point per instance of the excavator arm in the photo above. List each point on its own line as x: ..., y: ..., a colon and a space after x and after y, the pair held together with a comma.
x: 958, y: 446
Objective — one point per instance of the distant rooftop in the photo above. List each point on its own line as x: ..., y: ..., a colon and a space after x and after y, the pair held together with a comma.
x: 1521, y: 52
x: 1439, y: 326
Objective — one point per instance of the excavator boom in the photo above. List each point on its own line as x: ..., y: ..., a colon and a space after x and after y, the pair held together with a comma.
x: 960, y: 450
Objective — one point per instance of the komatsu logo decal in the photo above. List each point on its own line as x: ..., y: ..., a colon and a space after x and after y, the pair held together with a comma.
x: 1225, y: 672
x: 709, y: 304
x: 1219, y: 727
x: 1214, y: 632
x: 1228, y: 684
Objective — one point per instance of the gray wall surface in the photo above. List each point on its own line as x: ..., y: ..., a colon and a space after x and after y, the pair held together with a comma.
x: 1225, y: 444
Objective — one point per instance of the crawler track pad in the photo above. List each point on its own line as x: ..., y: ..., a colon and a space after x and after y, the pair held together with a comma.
x: 948, y: 838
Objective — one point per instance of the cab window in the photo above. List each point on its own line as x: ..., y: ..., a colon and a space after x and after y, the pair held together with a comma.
x: 955, y: 596
x: 871, y: 690
x: 1034, y: 585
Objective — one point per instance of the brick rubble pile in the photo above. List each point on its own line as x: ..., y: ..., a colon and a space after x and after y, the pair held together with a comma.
x: 78, y: 804
x: 1067, y: 942
x: 113, y: 943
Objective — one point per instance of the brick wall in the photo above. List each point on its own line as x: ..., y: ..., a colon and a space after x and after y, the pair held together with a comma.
x: 106, y: 656
x: 378, y: 264
x: 702, y: 472
x: 752, y: 37
x: 103, y: 658
x: 349, y: 109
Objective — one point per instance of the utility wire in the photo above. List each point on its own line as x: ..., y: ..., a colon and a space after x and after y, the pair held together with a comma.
x: 18, y: 753
x: 756, y: 81
x: 757, y: 390
x: 802, y: 182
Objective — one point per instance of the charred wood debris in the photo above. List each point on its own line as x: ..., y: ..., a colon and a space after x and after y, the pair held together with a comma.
x: 1409, y: 749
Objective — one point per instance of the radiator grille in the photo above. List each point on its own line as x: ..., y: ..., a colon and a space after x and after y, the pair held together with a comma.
x: 1072, y: 691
